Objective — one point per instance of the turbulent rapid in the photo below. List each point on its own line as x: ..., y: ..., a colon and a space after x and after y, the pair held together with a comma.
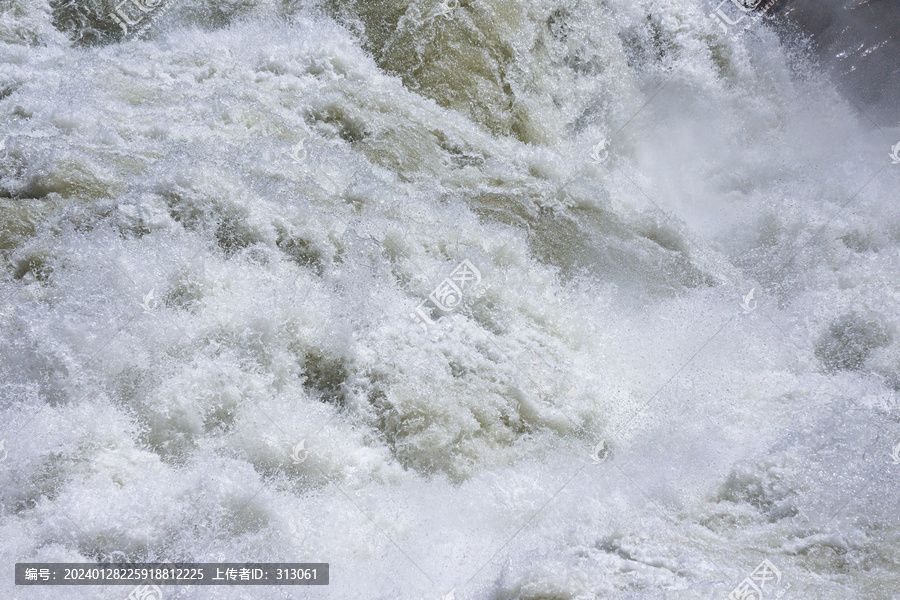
x: 472, y: 299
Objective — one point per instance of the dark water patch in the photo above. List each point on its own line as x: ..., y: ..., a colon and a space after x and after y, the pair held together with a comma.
x: 326, y: 376
x: 303, y: 252
x: 85, y: 22
x: 859, y: 42
x: 850, y: 339
x: 37, y: 264
x: 465, y: 59
x: 650, y: 254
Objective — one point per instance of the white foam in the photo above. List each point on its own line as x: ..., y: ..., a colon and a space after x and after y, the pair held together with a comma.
x: 609, y: 307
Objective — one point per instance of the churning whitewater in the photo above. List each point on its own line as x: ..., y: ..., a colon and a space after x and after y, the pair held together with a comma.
x: 473, y: 299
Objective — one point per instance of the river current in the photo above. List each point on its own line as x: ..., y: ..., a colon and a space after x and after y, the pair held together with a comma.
x: 481, y: 299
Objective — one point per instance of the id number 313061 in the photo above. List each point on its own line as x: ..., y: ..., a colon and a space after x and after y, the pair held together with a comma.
x: 295, y: 574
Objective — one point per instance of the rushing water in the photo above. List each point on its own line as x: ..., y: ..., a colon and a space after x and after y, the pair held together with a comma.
x: 214, y: 235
